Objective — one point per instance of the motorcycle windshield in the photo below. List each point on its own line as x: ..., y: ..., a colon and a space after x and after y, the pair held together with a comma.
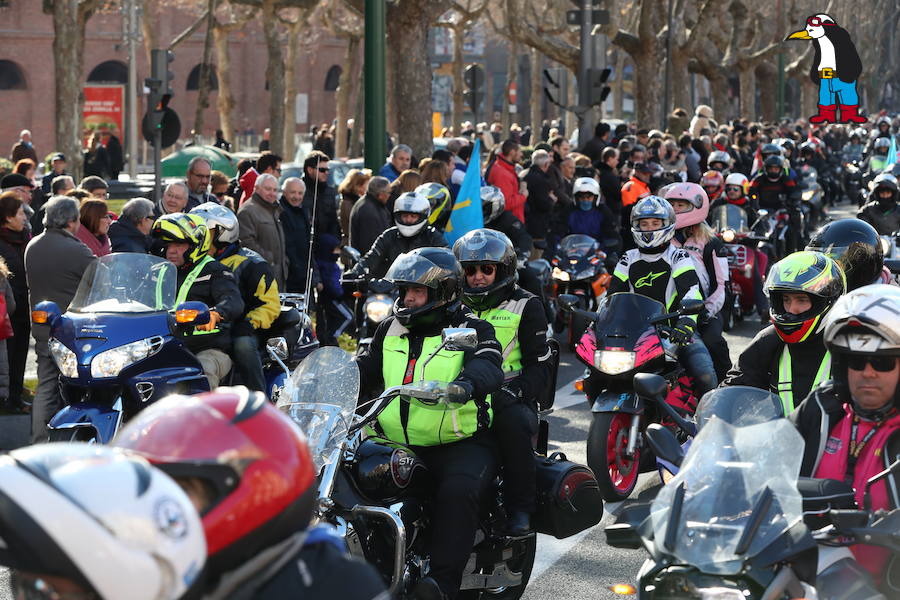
x: 623, y: 318
x: 321, y: 400
x: 578, y: 245
x: 730, y: 216
x: 126, y: 282
x: 727, y: 475
x: 739, y: 406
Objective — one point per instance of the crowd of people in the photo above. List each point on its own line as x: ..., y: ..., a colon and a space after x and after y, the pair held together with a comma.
x: 643, y: 195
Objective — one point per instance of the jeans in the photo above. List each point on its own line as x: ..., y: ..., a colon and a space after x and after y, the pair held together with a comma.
x: 711, y: 334
x: 247, y: 361
x: 834, y: 91
x: 47, y: 398
x: 699, y: 364
x: 463, y: 473
x: 514, y: 426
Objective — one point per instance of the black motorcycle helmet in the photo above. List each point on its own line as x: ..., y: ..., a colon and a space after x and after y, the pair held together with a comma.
x: 773, y: 167
x: 434, y: 268
x: 856, y: 247
x: 787, y: 147
x: 768, y: 150
x: 487, y: 247
x: 885, y: 181
x: 807, y: 150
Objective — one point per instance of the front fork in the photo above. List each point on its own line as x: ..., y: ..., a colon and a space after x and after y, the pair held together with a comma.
x: 633, y: 435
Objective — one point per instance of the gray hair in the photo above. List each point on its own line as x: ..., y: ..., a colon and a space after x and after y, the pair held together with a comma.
x: 59, y: 181
x: 197, y: 160
x: 378, y: 185
x: 60, y: 211
x: 401, y: 148
x: 454, y: 145
x: 181, y: 184
x: 285, y: 183
x: 137, y: 209
x: 540, y: 158
x: 263, y: 178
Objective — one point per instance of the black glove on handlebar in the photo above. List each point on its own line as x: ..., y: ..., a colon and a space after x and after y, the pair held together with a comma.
x: 683, y: 332
x: 459, y: 391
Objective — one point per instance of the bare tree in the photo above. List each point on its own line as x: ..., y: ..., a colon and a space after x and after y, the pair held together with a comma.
x: 69, y: 20
x: 459, y: 21
x: 296, y: 21
x: 644, y: 47
x: 345, y: 22
x: 229, y: 18
x: 205, y: 70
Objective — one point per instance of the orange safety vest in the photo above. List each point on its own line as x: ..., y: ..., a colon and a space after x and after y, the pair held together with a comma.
x: 633, y: 190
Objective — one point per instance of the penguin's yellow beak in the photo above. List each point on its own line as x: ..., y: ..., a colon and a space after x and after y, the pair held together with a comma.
x: 799, y: 35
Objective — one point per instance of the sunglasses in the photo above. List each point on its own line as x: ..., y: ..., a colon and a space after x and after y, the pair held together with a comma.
x: 733, y: 188
x: 324, y: 169
x: 882, y: 364
x: 486, y: 269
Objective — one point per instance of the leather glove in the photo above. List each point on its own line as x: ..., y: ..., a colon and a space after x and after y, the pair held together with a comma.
x: 459, y: 391
x: 683, y: 332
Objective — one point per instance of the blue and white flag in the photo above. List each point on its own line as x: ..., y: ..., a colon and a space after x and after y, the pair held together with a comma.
x: 466, y: 214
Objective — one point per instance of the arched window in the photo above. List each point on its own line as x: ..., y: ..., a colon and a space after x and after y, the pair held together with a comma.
x: 333, y: 78
x: 111, y: 71
x: 11, y: 76
x: 193, y: 80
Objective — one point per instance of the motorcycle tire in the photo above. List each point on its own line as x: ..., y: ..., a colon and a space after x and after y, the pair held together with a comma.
x: 616, y: 474
x: 523, y: 564
x: 577, y: 325
x: 728, y: 316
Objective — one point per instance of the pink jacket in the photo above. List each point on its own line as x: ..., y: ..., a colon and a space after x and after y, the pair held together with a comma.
x: 710, y: 262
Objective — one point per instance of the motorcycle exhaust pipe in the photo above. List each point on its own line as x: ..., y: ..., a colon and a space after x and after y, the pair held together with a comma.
x: 392, y: 519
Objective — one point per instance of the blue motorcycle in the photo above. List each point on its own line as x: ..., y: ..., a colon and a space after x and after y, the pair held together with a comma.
x: 118, y: 347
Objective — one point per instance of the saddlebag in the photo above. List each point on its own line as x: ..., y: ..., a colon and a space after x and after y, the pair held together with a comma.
x: 568, y: 497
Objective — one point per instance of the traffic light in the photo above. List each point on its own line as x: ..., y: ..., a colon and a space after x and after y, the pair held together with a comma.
x: 474, y: 78
x: 599, y: 90
x: 159, y: 69
x: 160, y: 119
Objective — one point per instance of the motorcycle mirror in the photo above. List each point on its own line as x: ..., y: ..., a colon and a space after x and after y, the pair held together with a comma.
x: 459, y: 338
x: 567, y: 302
x: 762, y: 213
x: 45, y: 313
x: 691, y: 306
x: 650, y: 385
x: 192, y: 313
x: 350, y: 254
x: 277, y: 346
x: 663, y: 444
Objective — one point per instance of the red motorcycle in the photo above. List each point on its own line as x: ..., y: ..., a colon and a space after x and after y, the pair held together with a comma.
x: 730, y: 224
x: 626, y: 336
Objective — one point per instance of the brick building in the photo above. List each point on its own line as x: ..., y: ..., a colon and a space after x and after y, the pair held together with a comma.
x: 26, y: 72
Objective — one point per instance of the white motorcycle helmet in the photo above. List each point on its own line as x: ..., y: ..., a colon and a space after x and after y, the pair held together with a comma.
x: 415, y: 204
x: 103, y: 519
x: 221, y: 222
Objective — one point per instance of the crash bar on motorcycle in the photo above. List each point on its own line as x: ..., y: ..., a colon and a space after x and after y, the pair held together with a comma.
x: 399, y: 544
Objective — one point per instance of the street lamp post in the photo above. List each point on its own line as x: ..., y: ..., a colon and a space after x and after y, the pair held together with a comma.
x: 374, y: 85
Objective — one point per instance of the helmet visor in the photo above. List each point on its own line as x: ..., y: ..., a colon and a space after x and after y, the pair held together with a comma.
x: 413, y: 269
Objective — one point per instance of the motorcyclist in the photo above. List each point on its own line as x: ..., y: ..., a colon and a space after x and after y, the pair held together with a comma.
x: 710, y: 263
x: 85, y: 522
x: 592, y: 217
x: 851, y: 425
x: 719, y: 161
x: 255, y: 279
x: 713, y: 183
x: 774, y: 189
x: 853, y: 150
x: 187, y: 242
x: 458, y: 451
x: 411, y: 231
x: 856, y: 247
x: 489, y: 289
x: 882, y: 131
x: 247, y: 470
x: 878, y: 160
x: 441, y: 203
x: 769, y: 150
x: 882, y: 211
x: 787, y: 148
x: 659, y: 270
x: 788, y: 357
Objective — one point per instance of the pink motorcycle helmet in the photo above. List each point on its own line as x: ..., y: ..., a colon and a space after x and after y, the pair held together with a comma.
x: 692, y: 193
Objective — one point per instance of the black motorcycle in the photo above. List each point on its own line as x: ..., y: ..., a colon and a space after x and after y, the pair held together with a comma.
x: 377, y: 492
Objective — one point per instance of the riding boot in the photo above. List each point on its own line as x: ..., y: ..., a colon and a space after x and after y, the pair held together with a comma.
x: 850, y: 114
x: 827, y: 114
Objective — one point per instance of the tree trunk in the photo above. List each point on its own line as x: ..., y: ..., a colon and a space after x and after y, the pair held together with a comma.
x: 203, y: 88
x: 150, y: 26
x: 391, y: 57
x: 681, y: 81
x: 290, y: 88
x: 767, y: 80
x: 69, y: 20
x: 718, y: 89
x: 537, y: 91
x: 407, y: 35
x: 748, y: 93
x: 275, y: 76
x: 457, y: 66
x: 646, y: 87
x: 809, y: 98
x: 224, y: 99
x: 512, y: 72
x: 568, y: 117
x: 343, y: 95
x: 359, y: 125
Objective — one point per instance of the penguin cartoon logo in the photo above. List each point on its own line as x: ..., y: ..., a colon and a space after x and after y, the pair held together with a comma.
x: 835, y: 69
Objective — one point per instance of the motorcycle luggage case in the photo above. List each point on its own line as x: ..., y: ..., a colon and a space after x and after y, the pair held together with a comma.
x: 568, y: 497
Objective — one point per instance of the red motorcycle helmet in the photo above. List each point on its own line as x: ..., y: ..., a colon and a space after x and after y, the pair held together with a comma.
x: 253, y: 462
x: 713, y: 183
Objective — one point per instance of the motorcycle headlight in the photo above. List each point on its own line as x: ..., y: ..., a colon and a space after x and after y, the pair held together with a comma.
x: 64, y: 358
x: 585, y: 273
x: 728, y: 236
x: 560, y: 274
x: 719, y: 593
x: 614, y: 362
x: 885, y: 247
x: 378, y: 309
x: 111, y: 362
x: 808, y: 195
